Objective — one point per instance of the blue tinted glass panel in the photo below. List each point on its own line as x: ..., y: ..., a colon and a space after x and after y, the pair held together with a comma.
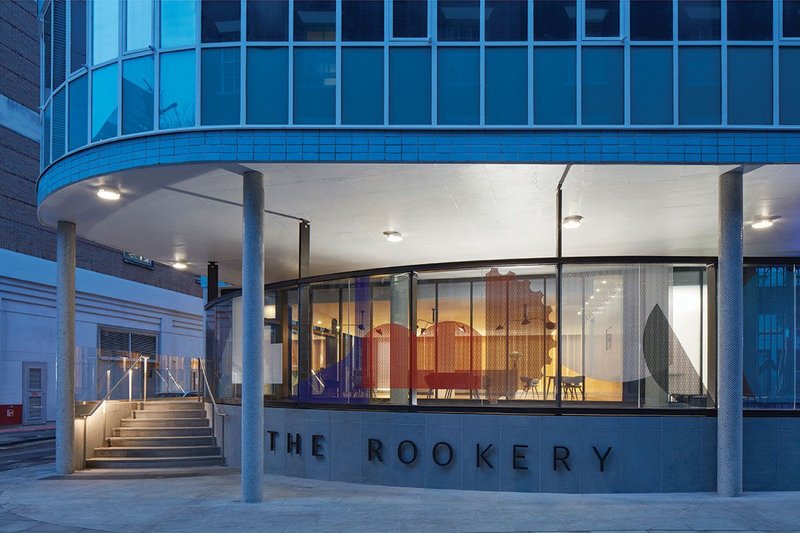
x: 602, y: 96
x: 220, y: 21
x: 59, y: 43
x: 791, y: 18
x: 267, y: 85
x: 651, y: 20
x: 314, y: 20
x: 362, y: 85
x: 458, y: 77
x: 554, y: 85
x: 178, y: 23
x: 45, y: 148
x: 267, y: 20
x: 601, y: 18
x: 409, y: 19
x: 698, y: 20
x: 78, y: 113
x: 749, y: 85
x: 506, y: 85
x: 699, y: 85
x: 77, y: 34
x: 105, y: 31
x: 314, y: 85
x: 409, y: 86
x: 750, y: 20
x: 104, y: 103
x: 790, y: 85
x: 137, y: 95
x: 176, y: 108
x: 138, y: 24
x: 458, y: 20
x: 651, y: 85
x: 48, y: 51
x: 554, y: 20
x: 59, y: 123
x: 220, y: 86
x: 506, y: 20
x: 362, y: 20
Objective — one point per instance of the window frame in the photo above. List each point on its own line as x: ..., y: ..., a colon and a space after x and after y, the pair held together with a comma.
x: 389, y: 17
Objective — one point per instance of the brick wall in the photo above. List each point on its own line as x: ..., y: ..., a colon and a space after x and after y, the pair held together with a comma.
x: 20, y: 230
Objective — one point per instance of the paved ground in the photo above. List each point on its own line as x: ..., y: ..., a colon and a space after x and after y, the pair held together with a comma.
x: 33, y: 499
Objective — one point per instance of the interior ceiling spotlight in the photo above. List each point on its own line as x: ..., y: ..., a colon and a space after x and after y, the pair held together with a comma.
x: 764, y: 222
x: 572, y: 222
x: 179, y: 265
x: 393, y: 236
x: 108, y: 193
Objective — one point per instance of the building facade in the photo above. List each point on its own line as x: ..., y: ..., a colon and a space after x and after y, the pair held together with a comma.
x: 158, y: 307
x: 507, y: 244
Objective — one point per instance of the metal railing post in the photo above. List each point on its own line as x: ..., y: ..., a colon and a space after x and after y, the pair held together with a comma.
x: 144, y: 381
x: 130, y: 383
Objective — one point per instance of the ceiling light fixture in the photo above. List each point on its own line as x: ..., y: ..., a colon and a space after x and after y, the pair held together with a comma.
x: 108, y: 193
x: 179, y: 265
x: 764, y: 222
x: 572, y: 222
x: 393, y: 236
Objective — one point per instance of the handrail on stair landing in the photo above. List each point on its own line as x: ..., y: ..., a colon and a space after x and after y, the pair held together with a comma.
x: 217, y: 410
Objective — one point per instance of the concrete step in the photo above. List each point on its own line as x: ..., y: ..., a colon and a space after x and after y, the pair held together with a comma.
x: 144, y: 431
x: 164, y: 422
x: 169, y: 413
x: 153, y: 462
x: 161, y: 441
x: 157, y: 451
x: 161, y: 405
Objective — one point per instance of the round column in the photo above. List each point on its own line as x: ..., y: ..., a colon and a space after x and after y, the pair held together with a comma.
x: 65, y: 348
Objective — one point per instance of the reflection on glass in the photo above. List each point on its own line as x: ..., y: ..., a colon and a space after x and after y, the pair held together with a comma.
x: 267, y: 20
x: 409, y: 85
x: 362, y: 20
x: 506, y: 20
x: 458, y: 93
x: 78, y: 113
x: 554, y: 20
x: 314, y: 20
x: 700, y: 86
x: 362, y: 85
x: 651, y: 85
x: 750, y: 85
x: 176, y: 108
x: 105, y: 31
x: 458, y: 20
x: 267, y: 85
x: 220, y: 86
x: 220, y: 21
x: 59, y: 123
x: 602, y: 18
x: 314, y: 85
x: 698, y: 20
x: 409, y: 19
x: 178, y: 23
x: 651, y: 20
x: 77, y: 34
x: 138, y: 24
x: 554, y: 85
x: 137, y: 95
x: 104, y: 103
x: 750, y: 20
x: 602, y: 95
x: 791, y: 18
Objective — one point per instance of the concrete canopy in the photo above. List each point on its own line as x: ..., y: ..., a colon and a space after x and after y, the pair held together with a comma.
x: 446, y: 212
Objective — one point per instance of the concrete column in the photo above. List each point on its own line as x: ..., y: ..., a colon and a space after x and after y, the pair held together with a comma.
x: 253, y: 337
x: 730, y: 335
x: 65, y: 348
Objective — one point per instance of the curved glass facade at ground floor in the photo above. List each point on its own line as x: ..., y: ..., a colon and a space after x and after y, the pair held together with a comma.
x: 622, y: 333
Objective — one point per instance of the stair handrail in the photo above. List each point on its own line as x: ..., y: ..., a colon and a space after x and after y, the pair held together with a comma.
x: 217, y: 410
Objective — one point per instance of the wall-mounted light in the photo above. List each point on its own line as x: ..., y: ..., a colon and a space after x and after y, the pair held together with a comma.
x: 572, y: 222
x: 179, y: 265
x: 393, y: 236
x: 270, y: 311
x: 764, y: 222
x: 109, y: 193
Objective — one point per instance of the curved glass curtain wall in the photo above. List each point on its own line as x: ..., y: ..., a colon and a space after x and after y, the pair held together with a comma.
x: 170, y: 64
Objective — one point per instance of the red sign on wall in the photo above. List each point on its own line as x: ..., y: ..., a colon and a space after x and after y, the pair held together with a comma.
x: 10, y: 415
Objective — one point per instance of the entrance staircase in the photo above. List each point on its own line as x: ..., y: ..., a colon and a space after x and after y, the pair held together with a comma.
x: 161, y: 434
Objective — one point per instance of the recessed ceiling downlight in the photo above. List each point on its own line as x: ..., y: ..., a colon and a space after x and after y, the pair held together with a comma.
x: 393, y: 236
x: 108, y: 193
x: 179, y: 265
x: 572, y: 222
x: 764, y: 222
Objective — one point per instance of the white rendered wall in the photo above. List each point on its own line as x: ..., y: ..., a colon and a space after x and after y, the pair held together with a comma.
x: 28, y: 325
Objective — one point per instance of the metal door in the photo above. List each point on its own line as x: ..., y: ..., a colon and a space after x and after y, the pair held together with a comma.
x: 34, y: 386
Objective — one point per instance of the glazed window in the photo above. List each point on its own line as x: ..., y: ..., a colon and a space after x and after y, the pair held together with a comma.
x: 506, y: 20
x: 176, y: 108
x: 699, y: 85
x: 790, y: 85
x: 59, y: 43
x: 698, y: 20
x: 409, y: 85
x: 314, y: 85
x: 220, y: 21
x: 362, y: 85
x: 105, y: 31
x: 267, y: 85
x: 104, y: 103
x: 77, y: 34
x: 554, y: 20
x: 267, y: 20
x: 458, y: 94
x: 602, y: 96
x: 750, y: 20
x: 651, y: 85
x: 138, y: 24
x: 137, y: 95
x: 651, y: 20
x: 458, y: 20
x: 749, y: 85
x: 601, y: 18
x: 78, y: 113
x: 59, y: 123
x: 362, y: 20
x: 554, y: 81
x: 791, y: 18
x: 409, y: 19
x: 506, y: 89
x: 178, y: 23
x: 220, y: 86
x: 315, y: 20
